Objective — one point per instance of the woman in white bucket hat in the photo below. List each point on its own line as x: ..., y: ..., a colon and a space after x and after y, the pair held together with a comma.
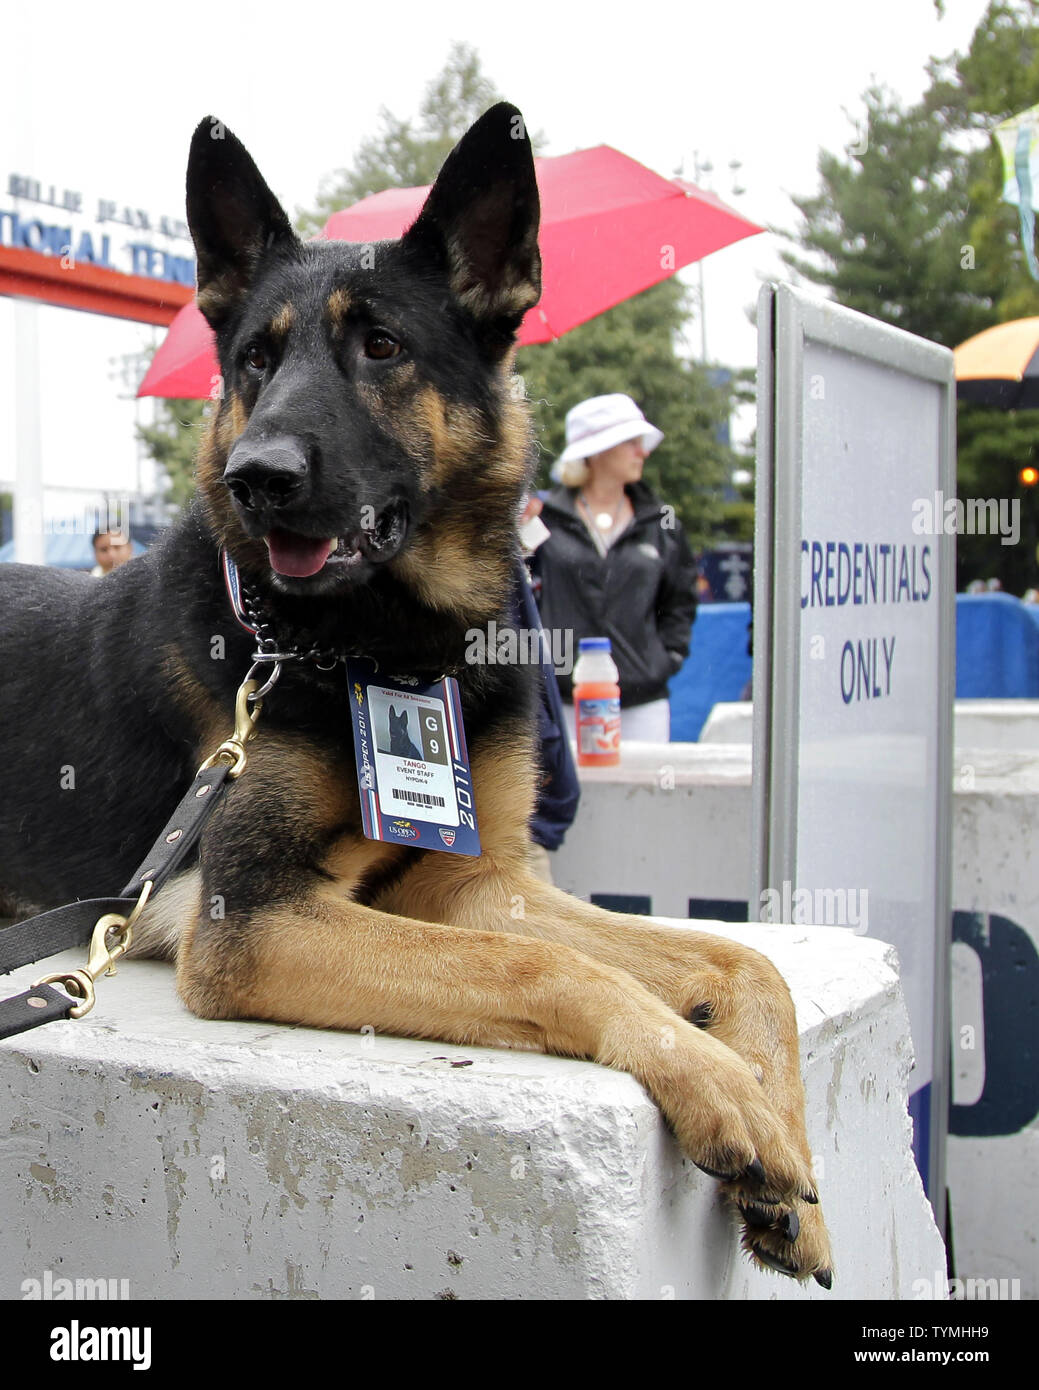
x: 617, y: 563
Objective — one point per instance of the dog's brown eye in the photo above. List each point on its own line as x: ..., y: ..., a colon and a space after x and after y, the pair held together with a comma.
x: 380, y: 345
x: 257, y: 359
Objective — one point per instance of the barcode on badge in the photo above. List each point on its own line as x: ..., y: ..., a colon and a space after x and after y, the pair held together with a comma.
x: 417, y: 798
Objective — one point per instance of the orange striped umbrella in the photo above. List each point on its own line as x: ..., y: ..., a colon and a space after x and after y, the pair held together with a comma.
x: 1000, y: 367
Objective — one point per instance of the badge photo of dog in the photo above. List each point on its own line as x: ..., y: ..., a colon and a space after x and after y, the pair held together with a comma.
x: 400, y: 736
x: 363, y: 470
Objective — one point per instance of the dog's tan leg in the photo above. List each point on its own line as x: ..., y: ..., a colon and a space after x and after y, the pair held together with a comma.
x: 723, y: 987
x: 330, y: 963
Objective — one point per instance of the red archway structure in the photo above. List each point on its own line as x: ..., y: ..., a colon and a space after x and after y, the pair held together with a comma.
x: 94, y: 289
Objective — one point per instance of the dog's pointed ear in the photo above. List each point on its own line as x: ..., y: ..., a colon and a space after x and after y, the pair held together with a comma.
x: 480, y: 222
x: 234, y: 218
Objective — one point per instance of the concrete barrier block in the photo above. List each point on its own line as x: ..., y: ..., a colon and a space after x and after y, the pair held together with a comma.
x: 993, y: 1153
x: 671, y: 824
x: 1010, y: 725
x: 200, y: 1159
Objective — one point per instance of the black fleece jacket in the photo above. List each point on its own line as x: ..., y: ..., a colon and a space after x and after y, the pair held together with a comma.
x: 641, y: 594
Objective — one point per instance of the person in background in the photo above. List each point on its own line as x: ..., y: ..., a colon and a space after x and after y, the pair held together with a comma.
x: 111, y: 549
x: 616, y: 563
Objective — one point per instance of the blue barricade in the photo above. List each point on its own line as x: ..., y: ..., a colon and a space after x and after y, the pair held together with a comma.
x: 997, y: 657
x: 717, y: 668
x: 997, y: 648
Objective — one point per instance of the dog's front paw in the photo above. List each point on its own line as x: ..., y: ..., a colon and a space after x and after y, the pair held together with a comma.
x: 721, y: 1115
x: 789, y: 1238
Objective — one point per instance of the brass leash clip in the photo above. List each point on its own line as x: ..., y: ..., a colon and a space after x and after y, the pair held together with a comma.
x: 102, y: 955
x: 232, y: 749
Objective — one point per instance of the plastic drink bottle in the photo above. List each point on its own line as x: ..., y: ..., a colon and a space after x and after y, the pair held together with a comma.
x: 597, y: 705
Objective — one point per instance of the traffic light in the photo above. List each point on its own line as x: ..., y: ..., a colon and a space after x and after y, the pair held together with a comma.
x: 1029, y: 476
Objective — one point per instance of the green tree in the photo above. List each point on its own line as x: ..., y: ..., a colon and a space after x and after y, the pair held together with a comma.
x: 889, y: 226
x: 912, y: 229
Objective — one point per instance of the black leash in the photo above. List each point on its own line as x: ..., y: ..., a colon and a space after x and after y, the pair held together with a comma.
x: 75, y: 923
x: 108, y: 922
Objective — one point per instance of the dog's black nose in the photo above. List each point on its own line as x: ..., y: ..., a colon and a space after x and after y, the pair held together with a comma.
x: 266, y: 476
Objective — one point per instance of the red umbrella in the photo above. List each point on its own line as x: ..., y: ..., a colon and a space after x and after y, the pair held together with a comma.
x: 610, y: 228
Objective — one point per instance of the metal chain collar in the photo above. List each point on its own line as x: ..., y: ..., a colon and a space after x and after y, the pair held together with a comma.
x: 270, y: 650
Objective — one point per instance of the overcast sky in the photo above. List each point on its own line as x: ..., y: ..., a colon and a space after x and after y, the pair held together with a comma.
x: 103, y: 100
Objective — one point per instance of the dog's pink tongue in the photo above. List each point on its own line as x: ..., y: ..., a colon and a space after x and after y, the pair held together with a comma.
x: 297, y: 556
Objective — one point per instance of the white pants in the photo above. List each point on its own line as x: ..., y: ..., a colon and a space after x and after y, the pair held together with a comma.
x: 639, y: 723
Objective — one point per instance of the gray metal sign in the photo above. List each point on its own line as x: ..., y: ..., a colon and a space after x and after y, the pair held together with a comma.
x: 854, y: 654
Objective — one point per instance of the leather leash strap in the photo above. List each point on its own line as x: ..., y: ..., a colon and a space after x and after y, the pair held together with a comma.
x: 49, y: 932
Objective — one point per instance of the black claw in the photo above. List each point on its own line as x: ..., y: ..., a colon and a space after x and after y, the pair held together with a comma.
x: 824, y: 1277
x: 713, y: 1173
x: 812, y: 1198
x: 790, y: 1226
x: 774, y: 1262
x: 702, y: 1015
x: 757, y: 1173
x: 756, y: 1216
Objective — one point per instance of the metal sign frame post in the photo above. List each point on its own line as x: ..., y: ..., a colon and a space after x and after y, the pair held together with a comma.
x: 854, y: 654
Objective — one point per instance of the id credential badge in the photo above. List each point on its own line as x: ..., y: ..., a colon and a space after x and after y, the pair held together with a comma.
x: 412, y: 763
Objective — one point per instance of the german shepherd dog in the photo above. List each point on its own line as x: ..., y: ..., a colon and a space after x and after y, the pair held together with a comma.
x: 363, y: 469
x: 400, y: 739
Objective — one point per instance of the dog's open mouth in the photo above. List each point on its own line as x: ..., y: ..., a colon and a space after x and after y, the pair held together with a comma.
x: 299, y: 557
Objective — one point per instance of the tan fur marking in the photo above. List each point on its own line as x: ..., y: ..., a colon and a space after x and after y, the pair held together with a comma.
x: 221, y: 291
x: 455, y: 557
x: 337, y: 307
x: 514, y: 461
x: 446, y: 568
x: 163, y: 923
x: 354, y: 856
x: 305, y: 777
x: 455, y: 433
x: 282, y: 321
x: 239, y: 414
x: 514, y: 294
x: 225, y: 425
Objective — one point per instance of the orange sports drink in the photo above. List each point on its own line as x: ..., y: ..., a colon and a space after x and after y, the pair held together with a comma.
x: 597, y: 705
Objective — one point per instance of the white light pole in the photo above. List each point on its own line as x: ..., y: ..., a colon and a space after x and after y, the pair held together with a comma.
x: 28, y: 459
x: 699, y: 170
